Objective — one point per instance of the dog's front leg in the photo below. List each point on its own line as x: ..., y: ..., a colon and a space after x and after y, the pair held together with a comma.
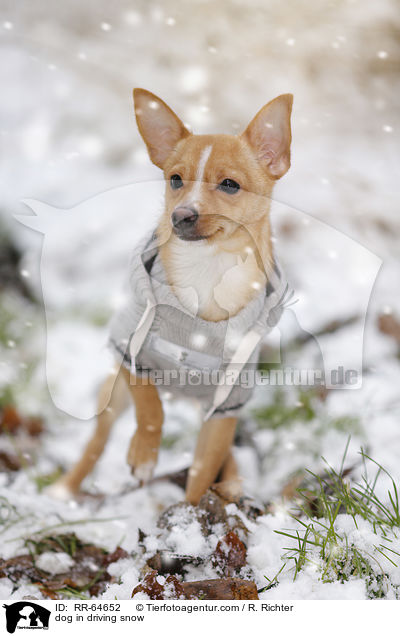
x: 144, y: 446
x: 212, y: 451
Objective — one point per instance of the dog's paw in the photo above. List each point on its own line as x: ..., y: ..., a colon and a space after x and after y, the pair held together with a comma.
x: 142, y: 456
x: 144, y: 472
x: 59, y: 490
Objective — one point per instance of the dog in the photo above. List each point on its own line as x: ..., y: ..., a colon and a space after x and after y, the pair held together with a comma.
x: 208, y: 265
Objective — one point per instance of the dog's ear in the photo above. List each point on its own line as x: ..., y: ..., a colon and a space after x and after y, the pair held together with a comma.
x: 269, y: 135
x: 160, y: 128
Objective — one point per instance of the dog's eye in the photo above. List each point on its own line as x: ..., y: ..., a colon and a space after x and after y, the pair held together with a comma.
x: 229, y: 186
x: 176, y: 182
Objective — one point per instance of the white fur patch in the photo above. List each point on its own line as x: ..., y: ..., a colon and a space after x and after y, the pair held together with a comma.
x: 198, y: 267
x: 204, y: 157
x: 59, y: 491
x: 204, y: 277
x: 144, y: 472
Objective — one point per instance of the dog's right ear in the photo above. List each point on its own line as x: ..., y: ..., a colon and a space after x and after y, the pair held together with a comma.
x: 160, y: 128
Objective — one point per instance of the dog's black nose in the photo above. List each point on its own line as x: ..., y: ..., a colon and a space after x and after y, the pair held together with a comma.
x: 184, y: 218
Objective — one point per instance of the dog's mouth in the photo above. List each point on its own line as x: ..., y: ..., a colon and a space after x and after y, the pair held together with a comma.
x: 191, y: 234
x: 186, y: 235
x: 188, y: 226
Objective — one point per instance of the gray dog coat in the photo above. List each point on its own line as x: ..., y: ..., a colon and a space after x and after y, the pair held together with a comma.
x: 152, y: 333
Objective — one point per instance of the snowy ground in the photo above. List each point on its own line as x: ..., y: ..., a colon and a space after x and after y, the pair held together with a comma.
x: 68, y: 136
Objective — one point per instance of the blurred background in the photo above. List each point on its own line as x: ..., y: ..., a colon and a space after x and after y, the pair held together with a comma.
x: 67, y: 75
x: 68, y: 139
x: 68, y: 134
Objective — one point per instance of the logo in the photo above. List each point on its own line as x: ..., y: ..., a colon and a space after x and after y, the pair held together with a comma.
x: 26, y: 615
x: 79, y: 254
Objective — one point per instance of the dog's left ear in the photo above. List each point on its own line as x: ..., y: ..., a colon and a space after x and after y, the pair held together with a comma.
x: 269, y: 135
x: 160, y: 128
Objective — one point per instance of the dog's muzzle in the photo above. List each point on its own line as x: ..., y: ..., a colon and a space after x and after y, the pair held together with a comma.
x: 184, y: 221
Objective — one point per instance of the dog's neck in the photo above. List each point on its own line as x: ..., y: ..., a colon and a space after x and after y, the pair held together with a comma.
x: 216, y: 280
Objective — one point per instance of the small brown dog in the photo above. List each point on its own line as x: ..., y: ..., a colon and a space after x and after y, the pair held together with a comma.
x: 213, y: 239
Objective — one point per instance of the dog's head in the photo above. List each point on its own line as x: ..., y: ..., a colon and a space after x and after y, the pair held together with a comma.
x: 215, y: 183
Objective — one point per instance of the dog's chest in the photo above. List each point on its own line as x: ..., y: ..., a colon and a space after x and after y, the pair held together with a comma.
x: 209, y: 282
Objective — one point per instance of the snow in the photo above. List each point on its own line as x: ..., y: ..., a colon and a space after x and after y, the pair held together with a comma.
x: 69, y: 140
x: 54, y: 562
x: 306, y: 588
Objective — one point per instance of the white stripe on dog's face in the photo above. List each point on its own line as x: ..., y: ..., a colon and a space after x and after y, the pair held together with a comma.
x: 195, y: 193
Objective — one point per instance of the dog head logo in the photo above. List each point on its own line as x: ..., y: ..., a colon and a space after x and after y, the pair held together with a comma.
x: 82, y: 272
x: 26, y: 615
